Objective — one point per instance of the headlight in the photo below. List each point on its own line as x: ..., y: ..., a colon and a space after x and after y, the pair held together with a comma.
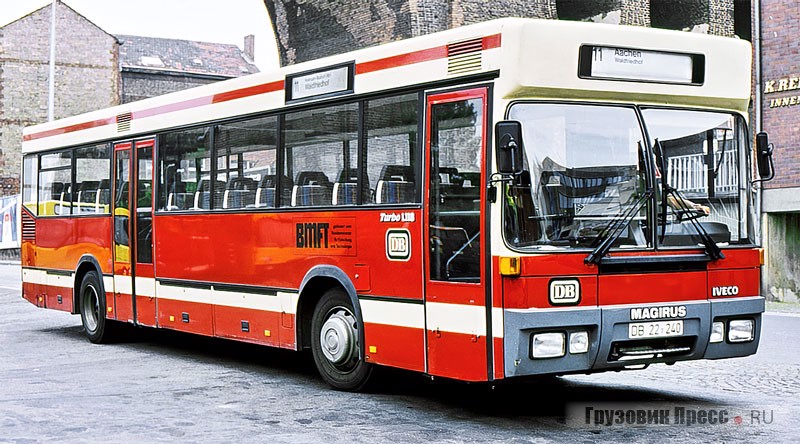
x: 741, y: 330
x: 547, y: 345
x: 578, y: 342
x: 717, y: 332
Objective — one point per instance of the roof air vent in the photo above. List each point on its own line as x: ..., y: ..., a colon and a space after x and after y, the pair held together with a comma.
x: 465, y: 56
x: 124, y: 122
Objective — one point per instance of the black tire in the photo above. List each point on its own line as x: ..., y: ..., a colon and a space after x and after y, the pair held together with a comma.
x: 92, y: 304
x: 339, y: 357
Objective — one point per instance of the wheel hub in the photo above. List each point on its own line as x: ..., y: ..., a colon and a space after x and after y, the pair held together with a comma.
x: 91, y: 307
x: 338, y: 337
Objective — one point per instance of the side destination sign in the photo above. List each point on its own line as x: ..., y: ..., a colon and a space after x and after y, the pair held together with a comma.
x: 320, y: 83
x: 640, y: 65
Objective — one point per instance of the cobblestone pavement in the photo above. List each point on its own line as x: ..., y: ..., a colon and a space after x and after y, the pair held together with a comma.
x: 55, y: 386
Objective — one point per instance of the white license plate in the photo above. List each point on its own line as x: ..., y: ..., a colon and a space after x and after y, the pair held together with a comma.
x: 660, y: 329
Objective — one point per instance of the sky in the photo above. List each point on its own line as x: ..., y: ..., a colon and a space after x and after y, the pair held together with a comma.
x: 214, y: 21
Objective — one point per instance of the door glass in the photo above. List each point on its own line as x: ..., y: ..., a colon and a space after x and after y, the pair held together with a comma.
x: 456, y: 147
x: 144, y: 206
x: 121, y: 205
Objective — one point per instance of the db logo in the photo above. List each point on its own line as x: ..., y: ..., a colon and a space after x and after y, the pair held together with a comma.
x: 565, y: 291
x: 398, y: 245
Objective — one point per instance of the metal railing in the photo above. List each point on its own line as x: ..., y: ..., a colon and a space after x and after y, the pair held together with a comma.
x: 689, y: 174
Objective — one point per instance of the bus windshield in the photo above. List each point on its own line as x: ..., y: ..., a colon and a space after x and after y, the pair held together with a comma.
x: 587, y: 168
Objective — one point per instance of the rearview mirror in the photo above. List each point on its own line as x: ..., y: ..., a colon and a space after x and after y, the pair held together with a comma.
x: 508, y: 147
x: 764, y: 157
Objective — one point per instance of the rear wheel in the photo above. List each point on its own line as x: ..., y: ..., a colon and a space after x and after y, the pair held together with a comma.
x: 335, y: 343
x: 92, y: 302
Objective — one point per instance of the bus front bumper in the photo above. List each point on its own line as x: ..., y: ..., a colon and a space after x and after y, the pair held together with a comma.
x: 595, y: 339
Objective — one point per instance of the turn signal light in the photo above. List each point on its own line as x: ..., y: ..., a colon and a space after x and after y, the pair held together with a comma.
x: 510, y: 266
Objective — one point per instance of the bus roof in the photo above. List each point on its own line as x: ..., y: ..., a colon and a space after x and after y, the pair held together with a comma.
x: 531, y: 59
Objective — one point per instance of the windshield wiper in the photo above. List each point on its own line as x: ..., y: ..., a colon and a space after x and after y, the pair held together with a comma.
x: 712, y: 249
x: 613, y: 231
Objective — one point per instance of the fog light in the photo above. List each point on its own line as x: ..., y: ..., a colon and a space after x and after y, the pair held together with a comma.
x: 740, y: 330
x: 578, y: 342
x: 548, y: 345
x: 717, y: 332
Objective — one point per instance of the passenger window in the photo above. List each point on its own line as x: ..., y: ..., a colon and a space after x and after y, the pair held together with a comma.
x: 246, y: 160
x: 320, y: 154
x: 55, y: 184
x: 391, y: 150
x: 185, y: 171
x: 455, y: 165
x: 92, y: 173
x: 30, y: 183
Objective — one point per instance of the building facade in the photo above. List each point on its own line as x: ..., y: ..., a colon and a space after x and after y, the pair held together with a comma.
x: 94, y: 70
x: 155, y: 66
x: 779, y: 92
x: 309, y: 29
x: 87, y: 77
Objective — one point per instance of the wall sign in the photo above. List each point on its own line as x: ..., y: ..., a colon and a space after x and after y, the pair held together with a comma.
x: 791, y: 83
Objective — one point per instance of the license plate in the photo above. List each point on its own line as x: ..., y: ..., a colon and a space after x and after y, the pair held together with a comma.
x: 661, y: 329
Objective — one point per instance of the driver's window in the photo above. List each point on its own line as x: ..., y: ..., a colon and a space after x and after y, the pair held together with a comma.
x: 454, y: 180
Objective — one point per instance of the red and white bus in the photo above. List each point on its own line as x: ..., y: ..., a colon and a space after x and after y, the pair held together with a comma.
x: 507, y: 199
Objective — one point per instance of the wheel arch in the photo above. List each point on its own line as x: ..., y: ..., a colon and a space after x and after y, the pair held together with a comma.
x: 316, y: 282
x: 86, y: 264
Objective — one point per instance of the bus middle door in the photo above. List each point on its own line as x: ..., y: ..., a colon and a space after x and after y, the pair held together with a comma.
x: 134, y: 283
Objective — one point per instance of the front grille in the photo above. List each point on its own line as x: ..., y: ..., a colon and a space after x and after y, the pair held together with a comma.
x: 651, y: 348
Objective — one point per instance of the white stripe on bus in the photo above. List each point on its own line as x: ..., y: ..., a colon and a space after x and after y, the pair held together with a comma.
x: 456, y: 318
x: 34, y: 276
x: 399, y: 314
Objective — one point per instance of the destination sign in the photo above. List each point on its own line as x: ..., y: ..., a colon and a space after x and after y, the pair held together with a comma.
x: 321, y: 83
x: 632, y: 64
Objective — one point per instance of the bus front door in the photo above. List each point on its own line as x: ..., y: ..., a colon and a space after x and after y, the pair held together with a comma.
x: 134, y: 284
x: 455, y: 291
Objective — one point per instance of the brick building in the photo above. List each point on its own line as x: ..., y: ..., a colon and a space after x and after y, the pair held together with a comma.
x: 309, y: 29
x: 154, y: 66
x: 779, y: 115
x: 93, y: 70
x: 87, y: 77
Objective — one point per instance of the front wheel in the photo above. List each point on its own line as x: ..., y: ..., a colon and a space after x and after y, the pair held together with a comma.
x: 335, y: 343
x: 92, y: 303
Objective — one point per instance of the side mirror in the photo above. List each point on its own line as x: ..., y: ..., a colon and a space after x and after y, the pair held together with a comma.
x: 508, y: 146
x: 764, y: 157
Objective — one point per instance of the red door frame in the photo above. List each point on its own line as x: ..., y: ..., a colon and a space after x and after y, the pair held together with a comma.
x: 146, y: 309
x: 457, y: 354
x: 130, y: 307
x: 123, y: 307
